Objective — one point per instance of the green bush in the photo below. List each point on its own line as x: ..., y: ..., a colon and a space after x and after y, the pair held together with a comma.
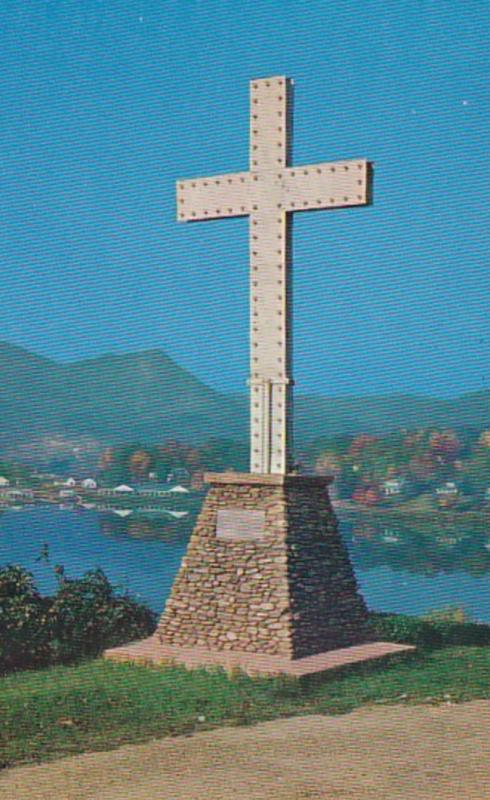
x: 429, y: 633
x: 24, y: 637
x: 85, y: 616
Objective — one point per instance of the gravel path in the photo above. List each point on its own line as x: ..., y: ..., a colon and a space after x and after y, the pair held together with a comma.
x: 392, y: 752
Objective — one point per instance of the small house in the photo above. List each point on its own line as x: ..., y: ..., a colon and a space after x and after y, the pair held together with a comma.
x: 89, y: 483
x: 179, y: 474
x: 4, y: 482
x: 393, y: 487
x: 124, y: 489
x: 179, y: 490
x: 15, y: 494
x: 70, y: 483
x: 448, y: 489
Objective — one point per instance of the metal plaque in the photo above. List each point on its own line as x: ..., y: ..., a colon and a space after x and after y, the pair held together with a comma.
x: 238, y: 523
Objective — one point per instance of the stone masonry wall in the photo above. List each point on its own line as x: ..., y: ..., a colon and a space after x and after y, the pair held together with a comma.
x: 290, y: 592
x: 327, y: 610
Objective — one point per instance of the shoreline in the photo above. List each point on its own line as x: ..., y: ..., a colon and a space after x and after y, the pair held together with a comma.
x: 347, y: 508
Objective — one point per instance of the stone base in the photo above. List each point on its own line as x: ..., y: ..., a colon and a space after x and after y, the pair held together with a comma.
x: 266, y: 584
x: 266, y: 572
x: 152, y: 652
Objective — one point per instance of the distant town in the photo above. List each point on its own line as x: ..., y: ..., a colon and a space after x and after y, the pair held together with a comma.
x: 423, y: 470
x: 420, y: 470
x: 48, y: 488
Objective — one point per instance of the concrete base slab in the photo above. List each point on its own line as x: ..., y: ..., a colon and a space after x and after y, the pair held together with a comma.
x: 152, y: 651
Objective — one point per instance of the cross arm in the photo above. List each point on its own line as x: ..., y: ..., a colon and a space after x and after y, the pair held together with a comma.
x: 328, y: 185
x: 213, y: 198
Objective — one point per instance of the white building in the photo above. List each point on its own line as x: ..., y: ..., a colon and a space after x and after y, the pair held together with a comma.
x: 15, y: 494
x: 4, y: 481
x: 393, y: 487
x: 447, y: 489
x: 159, y: 490
x: 124, y: 489
x: 178, y: 474
x: 118, y: 491
x: 179, y: 490
x: 89, y: 483
x: 70, y: 483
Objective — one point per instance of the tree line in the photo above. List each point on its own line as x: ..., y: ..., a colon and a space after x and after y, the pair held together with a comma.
x: 420, y: 461
x: 172, y: 460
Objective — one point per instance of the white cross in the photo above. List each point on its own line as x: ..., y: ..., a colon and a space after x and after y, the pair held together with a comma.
x: 268, y: 194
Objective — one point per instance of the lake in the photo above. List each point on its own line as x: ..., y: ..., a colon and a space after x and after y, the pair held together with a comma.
x: 400, y: 567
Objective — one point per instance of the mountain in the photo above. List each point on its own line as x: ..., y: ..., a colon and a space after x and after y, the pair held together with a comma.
x: 318, y: 416
x: 147, y: 397
x: 114, y: 398
x: 144, y: 396
x: 26, y: 387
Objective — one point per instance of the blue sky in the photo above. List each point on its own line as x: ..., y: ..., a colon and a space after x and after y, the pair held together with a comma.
x: 105, y: 104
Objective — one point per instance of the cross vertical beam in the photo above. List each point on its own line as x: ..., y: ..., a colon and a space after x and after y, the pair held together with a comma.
x: 270, y: 290
x: 269, y: 194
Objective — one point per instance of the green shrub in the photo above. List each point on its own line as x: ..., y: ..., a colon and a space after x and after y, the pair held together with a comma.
x: 429, y: 633
x: 84, y: 617
x: 24, y: 637
x: 403, y: 629
x: 447, y: 614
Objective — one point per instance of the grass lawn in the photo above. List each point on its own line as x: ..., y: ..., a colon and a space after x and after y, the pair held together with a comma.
x: 98, y: 705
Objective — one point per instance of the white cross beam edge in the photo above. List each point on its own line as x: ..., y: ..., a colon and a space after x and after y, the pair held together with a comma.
x: 269, y: 193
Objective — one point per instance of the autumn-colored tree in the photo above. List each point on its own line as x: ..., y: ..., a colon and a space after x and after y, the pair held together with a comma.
x: 367, y: 495
x: 139, y: 464
x: 328, y: 464
x: 414, y: 440
x: 113, y: 465
x: 219, y: 455
x: 484, y: 439
x: 447, y: 500
x: 361, y: 442
x: 174, y: 453
x: 106, y: 458
x: 193, y: 459
x: 371, y: 496
x: 423, y: 467
x: 444, y: 445
x: 476, y: 472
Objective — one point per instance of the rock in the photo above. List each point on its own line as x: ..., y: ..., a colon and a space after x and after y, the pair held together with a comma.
x: 291, y: 591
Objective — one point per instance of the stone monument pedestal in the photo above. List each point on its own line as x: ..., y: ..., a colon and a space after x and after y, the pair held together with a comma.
x: 266, y: 585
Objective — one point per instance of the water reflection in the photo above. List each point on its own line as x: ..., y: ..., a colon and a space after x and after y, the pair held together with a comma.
x: 163, y: 524
x: 422, y: 549
x: 404, y: 567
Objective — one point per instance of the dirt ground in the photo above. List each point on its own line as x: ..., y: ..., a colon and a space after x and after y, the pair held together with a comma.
x: 400, y: 753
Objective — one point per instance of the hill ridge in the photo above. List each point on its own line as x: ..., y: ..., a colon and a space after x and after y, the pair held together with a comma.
x: 146, y: 396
